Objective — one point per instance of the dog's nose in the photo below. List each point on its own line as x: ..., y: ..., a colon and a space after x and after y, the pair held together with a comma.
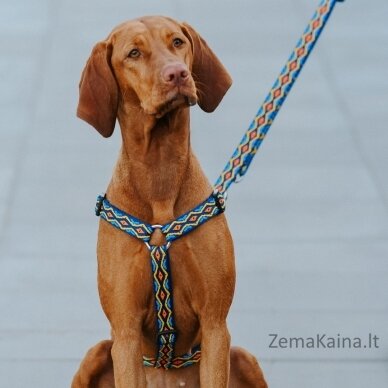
x: 175, y: 73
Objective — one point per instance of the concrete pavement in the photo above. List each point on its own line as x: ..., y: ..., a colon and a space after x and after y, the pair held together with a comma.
x: 310, y: 221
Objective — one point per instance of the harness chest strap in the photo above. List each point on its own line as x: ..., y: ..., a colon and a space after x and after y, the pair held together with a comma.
x: 160, y: 266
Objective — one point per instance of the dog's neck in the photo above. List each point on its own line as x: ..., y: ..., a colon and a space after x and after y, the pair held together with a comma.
x: 156, y: 167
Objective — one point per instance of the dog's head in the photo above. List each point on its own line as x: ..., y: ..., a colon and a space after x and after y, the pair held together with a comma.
x: 154, y: 64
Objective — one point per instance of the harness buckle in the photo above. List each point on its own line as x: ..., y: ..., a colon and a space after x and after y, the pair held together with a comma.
x: 99, y: 204
x: 149, y: 246
x: 220, y: 200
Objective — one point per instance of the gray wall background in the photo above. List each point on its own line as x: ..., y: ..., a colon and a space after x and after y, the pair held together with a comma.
x: 309, y: 222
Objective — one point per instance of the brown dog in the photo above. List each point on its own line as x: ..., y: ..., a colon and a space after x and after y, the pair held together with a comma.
x: 96, y: 371
x: 146, y: 74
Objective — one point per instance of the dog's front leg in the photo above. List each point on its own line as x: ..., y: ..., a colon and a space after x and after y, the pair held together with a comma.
x: 215, y: 345
x: 128, y: 359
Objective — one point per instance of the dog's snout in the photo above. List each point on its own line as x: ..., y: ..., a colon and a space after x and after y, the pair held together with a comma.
x: 175, y: 74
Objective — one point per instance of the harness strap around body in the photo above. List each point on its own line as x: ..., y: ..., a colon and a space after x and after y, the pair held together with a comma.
x: 160, y: 267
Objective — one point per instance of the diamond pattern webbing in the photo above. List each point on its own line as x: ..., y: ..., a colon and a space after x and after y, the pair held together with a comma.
x: 160, y: 264
x: 179, y: 362
x: 212, y: 206
x: 209, y: 208
x: 160, y: 267
x: 240, y: 160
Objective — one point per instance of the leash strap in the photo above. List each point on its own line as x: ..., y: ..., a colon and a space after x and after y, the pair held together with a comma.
x: 242, y: 157
x: 160, y: 267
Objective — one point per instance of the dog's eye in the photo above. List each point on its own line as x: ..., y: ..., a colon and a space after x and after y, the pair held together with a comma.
x: 134, y: 53
x: 177, y: 42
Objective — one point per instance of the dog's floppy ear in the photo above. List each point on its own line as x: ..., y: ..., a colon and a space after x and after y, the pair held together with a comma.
x: 211, y: 78
x: 98, y: 91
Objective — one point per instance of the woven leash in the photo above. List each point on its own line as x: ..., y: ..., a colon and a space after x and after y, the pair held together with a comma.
x: 242, y: 157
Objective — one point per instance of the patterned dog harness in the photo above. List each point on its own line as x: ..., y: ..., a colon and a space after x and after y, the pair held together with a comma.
x: 160, y: 266
x: 214, y: 205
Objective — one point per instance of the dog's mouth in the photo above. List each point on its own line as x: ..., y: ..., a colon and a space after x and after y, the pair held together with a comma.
x: 177, y: 101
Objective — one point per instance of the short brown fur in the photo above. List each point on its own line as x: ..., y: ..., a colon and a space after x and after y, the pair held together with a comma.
x: 146, y: 74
